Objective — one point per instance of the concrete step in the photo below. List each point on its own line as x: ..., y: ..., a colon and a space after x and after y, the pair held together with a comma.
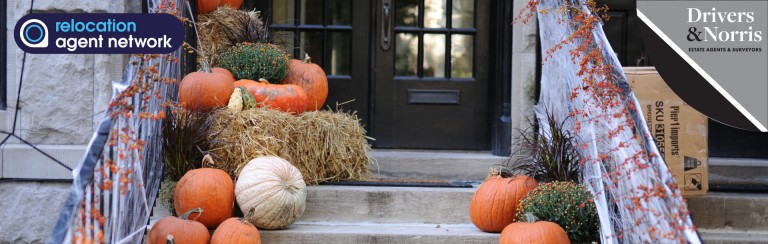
x: 738, y: 174
x: 388, y: 204
x: 354, y: 233
x: 728, y: 236
x: 434, y: 164
x: 732, y: 211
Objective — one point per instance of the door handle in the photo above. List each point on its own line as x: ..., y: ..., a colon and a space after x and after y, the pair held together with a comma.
x: 386, y: 24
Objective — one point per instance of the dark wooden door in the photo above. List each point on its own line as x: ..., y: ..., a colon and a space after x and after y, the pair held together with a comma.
x: 431, y: 74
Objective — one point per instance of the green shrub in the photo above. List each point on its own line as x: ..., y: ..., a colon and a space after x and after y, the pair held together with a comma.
x: 568, y: 204
x: 254, y: 61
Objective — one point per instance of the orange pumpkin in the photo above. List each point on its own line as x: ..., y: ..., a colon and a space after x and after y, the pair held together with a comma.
x: 209, y: 189
x: 182, y: 229
x: 236, y: 231
x: 532, y: 231
x: 207, y: 6
x: 232, y: 3
x: 311, y: 78
x: 206, y: 89
x: 494, y: 205
x: 286, y: 98
x: 223, y: 71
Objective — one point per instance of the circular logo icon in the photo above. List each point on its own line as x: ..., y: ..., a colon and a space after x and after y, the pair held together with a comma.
x: 34, y: 33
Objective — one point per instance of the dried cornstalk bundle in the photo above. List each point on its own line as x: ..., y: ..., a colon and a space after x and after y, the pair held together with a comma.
x: 323, y: 145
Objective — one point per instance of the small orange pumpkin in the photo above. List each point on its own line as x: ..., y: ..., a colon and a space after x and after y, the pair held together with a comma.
x: 206, y: 89
x: 311, y: 78
x: 209, y: 189
x: 236, y: 231
x: 182, y: 229
x: 286, y: 98
x: 532, y: 231
x: 494, y: 205
x: 207, y: 6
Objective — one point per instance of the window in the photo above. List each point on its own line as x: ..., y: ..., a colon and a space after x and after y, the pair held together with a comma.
x: 320, y: 28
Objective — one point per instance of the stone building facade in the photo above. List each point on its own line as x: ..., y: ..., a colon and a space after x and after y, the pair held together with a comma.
x: 63, y: 97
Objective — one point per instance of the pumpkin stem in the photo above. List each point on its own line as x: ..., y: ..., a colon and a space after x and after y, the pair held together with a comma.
x: 247, y: 218
x: 185, y: 216
x: 528, y: 217
x: 170, y: 240
x: 204, y: 65
x: 265, y: 81
x: 307, y: 59
x: 494, y: 172
x: 208, y: 160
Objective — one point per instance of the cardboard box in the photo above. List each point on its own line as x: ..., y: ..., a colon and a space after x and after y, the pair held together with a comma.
x: 679, y: 130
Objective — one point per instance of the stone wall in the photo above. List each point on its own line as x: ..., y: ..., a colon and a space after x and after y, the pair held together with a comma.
x: 29, y: 210
x: 63, y: 96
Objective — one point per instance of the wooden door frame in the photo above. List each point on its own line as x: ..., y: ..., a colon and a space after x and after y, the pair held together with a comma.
x: 501, y: 77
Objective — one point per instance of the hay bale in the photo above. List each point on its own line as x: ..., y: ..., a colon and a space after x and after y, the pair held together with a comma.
x: 323, y: 145
x: 224, y: 27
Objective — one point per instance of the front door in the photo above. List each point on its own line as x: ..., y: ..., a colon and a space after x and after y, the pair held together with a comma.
x: 431, y: 74
x: 416, y: 71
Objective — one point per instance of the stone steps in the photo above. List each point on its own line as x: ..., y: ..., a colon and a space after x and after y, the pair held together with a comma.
x: 730, y: 211
x: 420, y: 164
x: 388, y: 204
x: 354, y: 233
x: 726, y: 236
x: 371, y: 214
x: 735, y: 174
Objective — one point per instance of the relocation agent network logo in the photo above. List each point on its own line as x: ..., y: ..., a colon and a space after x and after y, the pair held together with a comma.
x: 99, y: 33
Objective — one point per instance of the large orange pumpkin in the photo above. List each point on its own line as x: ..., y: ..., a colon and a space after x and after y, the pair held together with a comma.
x: 223, y: 71
x: 286, y: 98
x: 494, y: 205
x: 209, y: 189
x: 236, y: 231
x: 182, y: 229
x: 205, y: 90
x: 207, y: 6
x: 311, y: 78
x: 532, y: 231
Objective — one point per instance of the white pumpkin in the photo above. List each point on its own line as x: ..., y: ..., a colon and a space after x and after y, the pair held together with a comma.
x: 275, y: 191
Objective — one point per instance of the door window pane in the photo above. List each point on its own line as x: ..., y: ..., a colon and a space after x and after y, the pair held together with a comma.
x: 285, y: 40
x: 406, y: 54
x: 339, y: 56
x: 312, y: 12
x: 283, y: 12
x: 463, y: 13
x: 312, y: 44
x: 340, y: 12
x: 434, y: 13
x: 434, y: 55
x: 462, y: 56
x: 407, y: 12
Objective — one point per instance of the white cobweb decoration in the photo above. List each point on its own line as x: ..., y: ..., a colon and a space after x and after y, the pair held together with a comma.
x: 635, y: 193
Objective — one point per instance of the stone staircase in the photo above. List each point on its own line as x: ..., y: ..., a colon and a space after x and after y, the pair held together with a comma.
x: 374, y: 214
x: 365, y: 214
x: 736, y: 208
